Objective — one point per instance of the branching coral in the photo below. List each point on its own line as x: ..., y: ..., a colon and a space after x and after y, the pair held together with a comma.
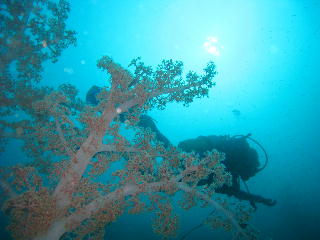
x: 65, y: 130
x: 73, y: 144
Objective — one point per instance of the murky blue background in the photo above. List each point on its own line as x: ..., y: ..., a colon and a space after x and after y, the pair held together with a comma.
x: 267, y: 55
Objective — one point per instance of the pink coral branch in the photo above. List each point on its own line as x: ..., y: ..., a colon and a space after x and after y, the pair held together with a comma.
x: 215, y: 204
x: 76, y: 169
x: 94, y: 207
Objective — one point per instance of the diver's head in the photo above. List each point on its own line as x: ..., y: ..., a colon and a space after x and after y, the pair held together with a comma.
x: 91, y: 97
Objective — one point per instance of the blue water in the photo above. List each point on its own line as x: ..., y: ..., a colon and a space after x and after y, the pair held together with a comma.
x: 267, y: 55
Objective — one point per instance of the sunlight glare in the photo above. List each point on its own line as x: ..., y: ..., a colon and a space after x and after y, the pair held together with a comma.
x: 210, y: 46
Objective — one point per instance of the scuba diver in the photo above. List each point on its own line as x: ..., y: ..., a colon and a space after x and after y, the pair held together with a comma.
x: 240, y: 160
x: 145, y: 121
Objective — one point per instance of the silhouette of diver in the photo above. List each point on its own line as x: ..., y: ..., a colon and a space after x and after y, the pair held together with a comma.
x: 240, y: 160
x: 145, y: 121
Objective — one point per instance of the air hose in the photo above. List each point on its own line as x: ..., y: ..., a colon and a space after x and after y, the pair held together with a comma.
x: 248, y: 136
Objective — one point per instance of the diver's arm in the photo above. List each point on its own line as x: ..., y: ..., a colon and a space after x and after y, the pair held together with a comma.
x: 147, y: 122
x: 234, y: 190
x: 252, y: 198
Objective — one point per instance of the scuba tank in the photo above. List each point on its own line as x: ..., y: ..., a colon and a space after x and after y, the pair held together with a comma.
x: 248, y: 136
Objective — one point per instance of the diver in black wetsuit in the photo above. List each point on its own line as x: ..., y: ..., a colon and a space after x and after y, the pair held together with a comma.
x: 145, y: 121
x: 240, y: 160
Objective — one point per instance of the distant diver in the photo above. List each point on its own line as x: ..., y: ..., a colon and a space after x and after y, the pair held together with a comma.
x: 236, y: 112
x: 145, y: 121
